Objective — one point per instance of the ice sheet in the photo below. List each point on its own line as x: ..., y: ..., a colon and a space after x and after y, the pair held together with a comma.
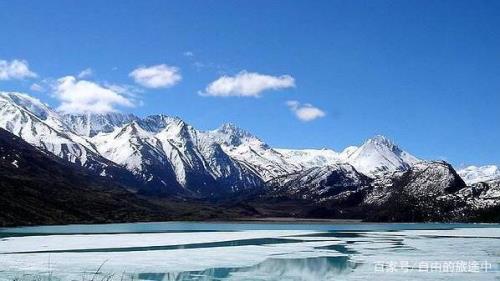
x: 163, y: 260
x: 98, y: 241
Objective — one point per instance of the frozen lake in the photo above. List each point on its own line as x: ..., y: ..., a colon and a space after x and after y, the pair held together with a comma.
x: 252, y: 251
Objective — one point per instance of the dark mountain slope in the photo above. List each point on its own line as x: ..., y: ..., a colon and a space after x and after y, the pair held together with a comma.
x: 426, y: 192
x: 38, y: 188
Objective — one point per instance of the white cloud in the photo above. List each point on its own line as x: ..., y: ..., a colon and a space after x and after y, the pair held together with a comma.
x: 247, y: 84
x: 15, y: 69
x: 305, y: 112
x: 81, y: 96
x: 86, y: 73
x: 35, y: 87
x: 156, y: 76
x: 188, y: 54
x: 130, y: 91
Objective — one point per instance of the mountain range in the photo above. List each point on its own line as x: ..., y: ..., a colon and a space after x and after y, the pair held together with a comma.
x: 161, y: 156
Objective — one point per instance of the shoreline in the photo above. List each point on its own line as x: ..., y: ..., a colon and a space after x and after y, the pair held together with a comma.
x: 265, y: 220
x: 278, y: 220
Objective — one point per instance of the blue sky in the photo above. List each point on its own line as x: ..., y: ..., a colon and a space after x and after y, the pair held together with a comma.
x: 424, y: 73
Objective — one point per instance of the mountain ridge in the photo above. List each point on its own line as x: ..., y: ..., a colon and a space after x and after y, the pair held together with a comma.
x: 163, y: 156
x: 80, y: 135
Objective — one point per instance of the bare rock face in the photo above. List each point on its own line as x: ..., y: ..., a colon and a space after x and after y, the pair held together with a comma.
x: 164, y: 156
x: 40, y: 188
x: 320, y: 183
x: 432, y: 178
x: 428, y: 191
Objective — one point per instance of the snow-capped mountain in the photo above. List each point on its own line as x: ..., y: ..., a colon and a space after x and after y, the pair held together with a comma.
x: 163, y: 155
x: 379, y: 155
x: 37, y: 124
x: 167, y: 151
x: 129, y: 147
x: 320, y: 182
x: 376, y: 156
x: 168, y: 156
x: 475, y: 174
x: 426, y: 191
x: 308, y: 158
x: 242, y: 146
x: 91, y: 124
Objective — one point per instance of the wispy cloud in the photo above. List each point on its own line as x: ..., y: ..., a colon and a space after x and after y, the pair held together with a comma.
x: 199, y: 64
x: 85, y: 73
x: 156, y: 76
x: 82, y: 96
x: 130, y: 91
x: 15, y: 69
x: 35, y: 87
x: 305, y: 112
x: 247, y: 84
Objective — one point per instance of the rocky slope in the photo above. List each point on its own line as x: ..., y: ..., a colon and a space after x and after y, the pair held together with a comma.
x: 169, y: 156
x: 38, y: 188
x: 163, y: 156
x: 475, y: 174
x: 320, y: 183
x: 40, y: 126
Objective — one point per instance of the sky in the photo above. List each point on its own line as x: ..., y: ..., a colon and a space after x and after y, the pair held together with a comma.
x: 298, y: 74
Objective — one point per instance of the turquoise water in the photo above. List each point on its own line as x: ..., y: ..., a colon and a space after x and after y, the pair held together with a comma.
x: 251, y: 251
x: 229, y: 226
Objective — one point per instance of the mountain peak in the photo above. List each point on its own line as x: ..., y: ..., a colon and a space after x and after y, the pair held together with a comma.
x: 232, y: 135
x: 228, y: 126
x: 475, y: 174
x: 157, y: 122
x: 381, y: 140
x: 16, y: 96
x: 231, y: 129
x: 133, y: 129
x: 379, y: 154
x: 90, y: 124
x: 27, y: 102
x: 164, y: 118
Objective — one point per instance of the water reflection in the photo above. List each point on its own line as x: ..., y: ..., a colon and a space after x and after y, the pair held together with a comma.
x: 322, y: 268
x: 327, y: 255
x: 231, y: 243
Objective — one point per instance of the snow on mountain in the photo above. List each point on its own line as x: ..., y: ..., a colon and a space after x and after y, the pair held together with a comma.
x: 139, y: 152
x: 72, y: 136
x: 475, y: 174
x: 347, y: 152
x: 267, y: 162
x: 379, y: 155
x: 13, y: 104
x: 423, y: 179
x: 433, y: 177
x: 91, y: 124
x: 320, y: 182
x: 164, y: 152
x: 308, y: 158
x: 200, y: 161
x: 168, y: 148
x: 36, y: 123
x: 160, y: 154
x: 168, y: 153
